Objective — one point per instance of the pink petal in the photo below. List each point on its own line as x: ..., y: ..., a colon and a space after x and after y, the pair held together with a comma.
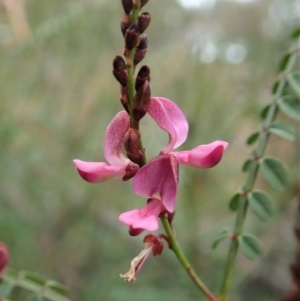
x: 158, y: 179
x: 171, y: 119
x: 203, y: 156
x: 113, y: 141
x: 94, y: 172
x: 145, y: 218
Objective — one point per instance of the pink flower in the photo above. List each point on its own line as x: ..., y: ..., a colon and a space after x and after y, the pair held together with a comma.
x: 159, y: 178
x: 120, y: 166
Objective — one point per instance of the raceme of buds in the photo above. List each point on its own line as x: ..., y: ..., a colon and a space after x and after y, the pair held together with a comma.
x: 119, y: 70
x: 132, y: 147
x: 144, y: 21
x: 141, y: 49
x: 127, y: 6
x: 132, y: 36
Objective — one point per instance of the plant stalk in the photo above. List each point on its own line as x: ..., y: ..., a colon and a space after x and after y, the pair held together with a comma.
x: 253, y: 170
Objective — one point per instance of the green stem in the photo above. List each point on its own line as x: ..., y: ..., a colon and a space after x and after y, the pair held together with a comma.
x: 253, y: 170
x: 184, y: 262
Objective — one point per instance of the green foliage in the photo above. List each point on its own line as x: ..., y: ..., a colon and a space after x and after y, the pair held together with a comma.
x: 252, y: 138
x: 290, y: 105
x: 30, y: 282
x: 250, y: 246
x: 294, y: 82
x: 234, y: 202
x: 225, y: 233
x: 275, y: 172
x: 261, y: 204
x: 282, y: 130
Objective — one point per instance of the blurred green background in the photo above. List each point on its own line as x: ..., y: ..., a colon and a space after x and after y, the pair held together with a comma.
x: 217, y: 60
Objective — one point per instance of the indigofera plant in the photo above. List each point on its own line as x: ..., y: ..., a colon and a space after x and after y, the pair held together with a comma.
x: 157, y: 180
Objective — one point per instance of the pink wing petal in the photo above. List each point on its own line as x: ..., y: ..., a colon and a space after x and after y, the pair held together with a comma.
x: 158, y: 179
x: 94, y: 172
x: 171, y: 119
x: 113, y: 141
x: 203, y: 156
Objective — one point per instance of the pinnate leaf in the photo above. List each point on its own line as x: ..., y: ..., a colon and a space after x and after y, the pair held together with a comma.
x: 275, y: 173
x: 234, y: 202
x: 250, y: 246
x: 252, y: 138
x: 225, y: 233
x: 261, y: 204
x: 294, y: 82
x: 290, y: 105
x: 246, y: 165
x: 282, y: 130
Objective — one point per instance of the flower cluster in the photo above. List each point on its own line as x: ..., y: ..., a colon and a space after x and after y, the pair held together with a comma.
x: 157, y: 180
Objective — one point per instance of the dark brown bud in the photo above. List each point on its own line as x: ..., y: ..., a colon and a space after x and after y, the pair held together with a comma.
x: 141, y: 101
x: 130, y: 171
x: 125, y: 23
x: 144, y: 21
x: 127, y: 6
x: 143, y: 43
x: 141, y: 50
x: 120, y: 71
x: 132, y: 36
x: 132, y: 146
x: 142, y: 76
x: 144, y: 2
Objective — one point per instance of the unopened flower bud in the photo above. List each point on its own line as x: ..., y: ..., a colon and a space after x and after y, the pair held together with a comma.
x: 144, y: 2
x: 125, y: 23
x: 141, y: 101
x: 127, y: 6
x: 132, y: 146
x: 141, y: 50
x: 119, y: 70
x: 130, y: 171
x: 4, y: 256
x: 144, y: 21
x: 132, y: 36
x: 142, y: 76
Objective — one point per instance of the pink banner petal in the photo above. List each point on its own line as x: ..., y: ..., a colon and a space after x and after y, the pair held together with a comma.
x: 171, y: 119
x: 95, y: 172
x: 203, y: 156
x: 113, y: 141
x: 158, y: 179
